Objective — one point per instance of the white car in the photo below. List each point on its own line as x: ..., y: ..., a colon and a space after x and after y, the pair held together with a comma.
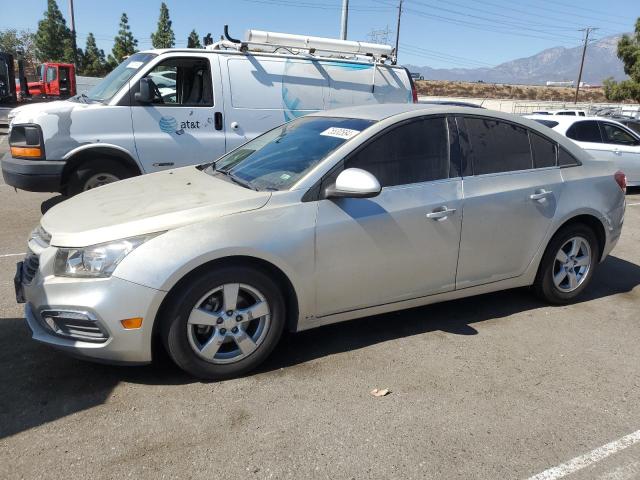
x: 603, y: 138
x: 570, y: 113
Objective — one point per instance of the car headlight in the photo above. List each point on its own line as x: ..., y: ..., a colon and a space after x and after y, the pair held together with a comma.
x: 96, y: 261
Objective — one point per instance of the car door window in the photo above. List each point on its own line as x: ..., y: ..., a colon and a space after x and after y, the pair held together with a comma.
x: 587, y: 131
x: 183, y: 82
x: 497, y: 146
x: 617, y: 136
x: 565, y: 159
x: 544, y: 151
x: 410, y: 153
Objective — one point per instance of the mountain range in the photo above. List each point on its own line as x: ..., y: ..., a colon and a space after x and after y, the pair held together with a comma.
x: 552, y: 64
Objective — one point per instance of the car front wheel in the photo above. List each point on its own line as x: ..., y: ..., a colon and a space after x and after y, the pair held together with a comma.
x: 568, y: 264
x: 224, y: 323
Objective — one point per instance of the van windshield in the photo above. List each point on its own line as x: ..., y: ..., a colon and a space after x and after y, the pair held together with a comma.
x: 113, y: 82
x: 279, y: 158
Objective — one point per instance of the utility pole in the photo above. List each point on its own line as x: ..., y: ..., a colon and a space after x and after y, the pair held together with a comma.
x: 73, y: 33
x: 398, y: 29
x: 345, y: 19
x: 586, y: 31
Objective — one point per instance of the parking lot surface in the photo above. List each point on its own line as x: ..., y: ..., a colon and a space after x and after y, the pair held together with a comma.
x: 496, y: 386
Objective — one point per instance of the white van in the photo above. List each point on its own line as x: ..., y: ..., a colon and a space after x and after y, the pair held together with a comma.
x: 162, y: 109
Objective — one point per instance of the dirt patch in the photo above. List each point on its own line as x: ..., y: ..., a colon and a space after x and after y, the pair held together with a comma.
x: 445, y: 88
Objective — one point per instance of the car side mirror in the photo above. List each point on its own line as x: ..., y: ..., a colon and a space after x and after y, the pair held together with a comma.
x: 146, y: 92
x: 354, y: 183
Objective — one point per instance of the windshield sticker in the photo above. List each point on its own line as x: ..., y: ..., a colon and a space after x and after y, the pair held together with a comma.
x: 344, y: 133
x: 285, y: 176
x: 135, y: 65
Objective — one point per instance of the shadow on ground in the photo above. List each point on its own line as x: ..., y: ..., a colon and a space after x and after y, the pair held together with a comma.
x: 40, y: 385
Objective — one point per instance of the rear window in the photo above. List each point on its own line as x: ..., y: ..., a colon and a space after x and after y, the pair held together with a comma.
x: 498, y: 146
x: 585, y: 132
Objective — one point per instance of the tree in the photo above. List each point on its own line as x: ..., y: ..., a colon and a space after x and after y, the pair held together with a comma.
x: 164, y: 37
x: 194, y: 40
x: 629, y: 53
x: 53, y: 39
x: 124, y: 44
x: 93, y: 63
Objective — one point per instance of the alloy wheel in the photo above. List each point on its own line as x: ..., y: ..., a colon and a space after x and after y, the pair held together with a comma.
x: 228, y: 323
x: 572, y: 264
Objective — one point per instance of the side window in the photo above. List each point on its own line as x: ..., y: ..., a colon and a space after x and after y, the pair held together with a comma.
x: 587, y: 131
x: 51, y: 74
x: 183, y: 82
x: 565, y: 159
x: 617, y: 136
x: 497, y: 146
x: 573, y: 114
x: 410, y: 153
x: 544, y: 151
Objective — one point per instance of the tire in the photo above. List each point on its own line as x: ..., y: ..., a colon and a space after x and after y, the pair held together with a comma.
x: 560, y: 280
x: 95, y: 173
x: 223, y: 346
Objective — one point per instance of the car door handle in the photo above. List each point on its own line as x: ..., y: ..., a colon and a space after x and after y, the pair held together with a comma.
x: 217, y: 120
x: 441, y: 213
x: 541, y: 194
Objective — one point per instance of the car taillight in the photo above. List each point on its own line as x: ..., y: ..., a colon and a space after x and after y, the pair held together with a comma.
x: 414, y: 93
x: 621, y: 180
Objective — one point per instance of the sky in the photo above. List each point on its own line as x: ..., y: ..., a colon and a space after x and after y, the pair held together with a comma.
x: 436, y: 33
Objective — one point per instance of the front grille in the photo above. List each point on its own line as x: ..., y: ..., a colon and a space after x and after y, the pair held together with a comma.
x: 30, y: 267
x: 73, y: 325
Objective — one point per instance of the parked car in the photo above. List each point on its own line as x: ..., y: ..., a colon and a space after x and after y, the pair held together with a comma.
x: 631, y: 123
x: 604, y: 139
x: 161, y: 109
x: 333, y: 216
x: 571, y: 113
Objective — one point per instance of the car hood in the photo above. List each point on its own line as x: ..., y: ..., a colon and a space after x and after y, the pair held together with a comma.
x: 146, y: 204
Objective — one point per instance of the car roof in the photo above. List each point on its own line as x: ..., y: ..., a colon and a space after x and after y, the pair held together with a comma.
x: 381, y: 111
x: 567, y: 119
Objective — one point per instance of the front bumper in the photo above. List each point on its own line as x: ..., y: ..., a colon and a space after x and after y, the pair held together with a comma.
x: 32, y: 175
x: 107, y: 301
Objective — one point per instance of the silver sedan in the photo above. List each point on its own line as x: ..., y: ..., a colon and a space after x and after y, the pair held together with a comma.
x: 331, y: 217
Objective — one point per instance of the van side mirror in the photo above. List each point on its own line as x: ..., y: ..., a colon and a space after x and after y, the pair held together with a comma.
x: 146, y: 93
x: 354, y: 183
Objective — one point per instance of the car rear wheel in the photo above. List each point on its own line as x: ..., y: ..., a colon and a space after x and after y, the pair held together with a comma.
x: 224, y: 323
x: 96, y: 173
x: 568, y: 264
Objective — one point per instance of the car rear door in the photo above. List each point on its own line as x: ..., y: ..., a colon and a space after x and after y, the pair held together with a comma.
x: 511, y: 192
x: 402, y: 244
x: 625, y: 147
x: 587, y: 134
x: 184, y: 124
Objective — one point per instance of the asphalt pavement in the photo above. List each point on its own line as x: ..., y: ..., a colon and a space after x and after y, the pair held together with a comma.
x: 493, y: 387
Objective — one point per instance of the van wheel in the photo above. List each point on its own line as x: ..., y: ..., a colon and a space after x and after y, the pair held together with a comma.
x: 95, y: 173
x: 224, y: 323
x: 567, y: 265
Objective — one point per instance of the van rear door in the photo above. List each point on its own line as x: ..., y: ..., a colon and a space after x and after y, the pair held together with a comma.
x: 184, y: 125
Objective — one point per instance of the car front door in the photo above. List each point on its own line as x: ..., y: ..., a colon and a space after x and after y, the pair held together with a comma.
x: 183, y: 125
x: 626, y: 150
x: 510, y: 199
x: 401, y: 244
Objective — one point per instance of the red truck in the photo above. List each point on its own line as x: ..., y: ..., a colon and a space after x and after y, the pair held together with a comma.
x: 55, y: 81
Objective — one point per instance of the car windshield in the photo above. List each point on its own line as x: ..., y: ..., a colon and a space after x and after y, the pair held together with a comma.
x: 113, y: 82
x: 280, y: 157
